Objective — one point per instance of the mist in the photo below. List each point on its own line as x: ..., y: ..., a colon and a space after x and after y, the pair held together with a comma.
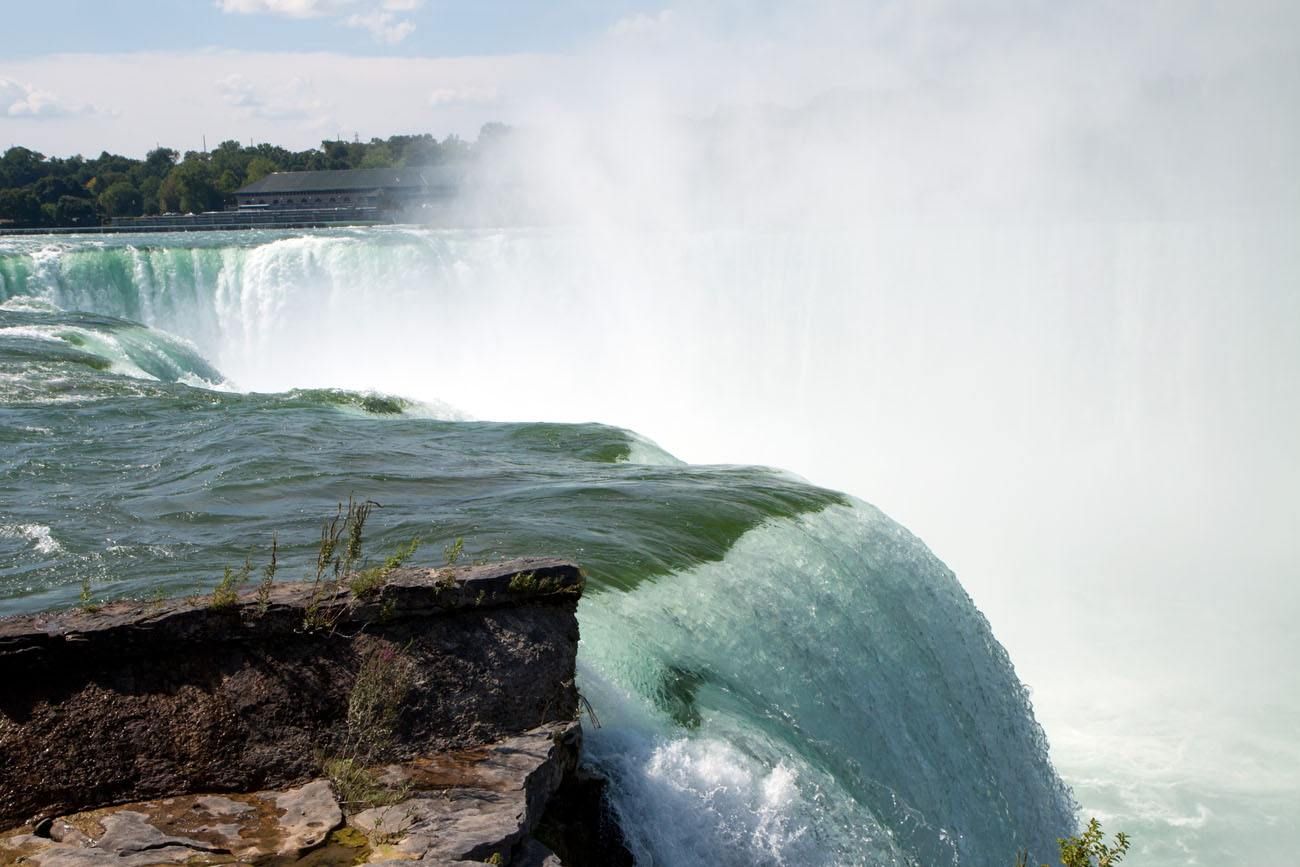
x: 1023, y: 275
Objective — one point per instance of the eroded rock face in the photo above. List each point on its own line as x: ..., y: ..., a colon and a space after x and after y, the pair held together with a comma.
x: 137, y: 702
x: 463, y: 806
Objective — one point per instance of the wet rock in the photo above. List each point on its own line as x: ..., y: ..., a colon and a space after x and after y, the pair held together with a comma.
x: 310, y: 813
x: 214, y: 829
x: 474, y: 804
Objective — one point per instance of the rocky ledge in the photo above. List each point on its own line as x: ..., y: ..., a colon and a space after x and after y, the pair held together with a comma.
x: 434, y: 719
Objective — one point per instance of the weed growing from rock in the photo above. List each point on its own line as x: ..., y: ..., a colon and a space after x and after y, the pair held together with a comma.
x: 368, y: 582
x: 384, y: 678
x: 339, y: 559
x: 453, y: 551
x: 86, y: 602
x: 268, y: 577
x: 226, y: 593
x: 523, y: 582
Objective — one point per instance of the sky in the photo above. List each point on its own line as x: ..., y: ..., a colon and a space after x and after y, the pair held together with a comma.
x: 80, y: 76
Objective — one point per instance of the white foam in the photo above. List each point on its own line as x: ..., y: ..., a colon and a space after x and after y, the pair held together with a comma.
x: 39, y: 535
x: 29, y: 303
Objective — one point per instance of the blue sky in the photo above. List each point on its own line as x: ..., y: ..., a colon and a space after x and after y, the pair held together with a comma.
x: 445, y: 28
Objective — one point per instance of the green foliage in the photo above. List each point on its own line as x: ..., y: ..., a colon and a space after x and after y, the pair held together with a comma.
x: 258, y: 168
x: 86, y: 602
x: 384, y: 679
x: 20, y: 205
x: 452, y: 552
x: 339, y: 559
x: 192, y: 187
x: 367, y: 582
x: 121, y: 199
x: 523, y: 582
x: 1089, y: 849
x: 268, y: 578
x: 226, y: 593
x: 76, y: 211
x: 358, y: 787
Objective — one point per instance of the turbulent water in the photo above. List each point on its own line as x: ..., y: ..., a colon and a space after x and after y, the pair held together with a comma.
x: 784, y: 675
x: 1094, y: 422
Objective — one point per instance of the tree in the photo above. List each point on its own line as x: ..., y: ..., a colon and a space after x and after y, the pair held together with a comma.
x: 21, y: 206
x: 258, y: 168
x: 121, y: 199
x: 190, y: 188
x: 20, y: 167
x: 378, y: 156
x: 149, y: 195
x: 50, y: 190
x: 159, y: 162
x: 169, y: 194
x: 491, y: 134
x: 228, y: 182
x: 75, y: 211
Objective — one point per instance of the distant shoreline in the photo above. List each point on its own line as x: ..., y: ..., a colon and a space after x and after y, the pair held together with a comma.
x: 194, y: 226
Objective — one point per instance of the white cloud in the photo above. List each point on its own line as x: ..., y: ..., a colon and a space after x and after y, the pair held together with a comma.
x: 285, y: 8
x: 383, y: 26
x: 471, y: 94
x: 24, y: 100
x: 643, y: 24
x: 295, y: 100
x: 379, y: 18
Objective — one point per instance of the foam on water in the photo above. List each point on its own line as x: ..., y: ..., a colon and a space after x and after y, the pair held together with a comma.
x: 39, y: 536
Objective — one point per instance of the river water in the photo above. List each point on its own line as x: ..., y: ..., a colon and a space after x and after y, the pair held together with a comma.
x: 784, y: 674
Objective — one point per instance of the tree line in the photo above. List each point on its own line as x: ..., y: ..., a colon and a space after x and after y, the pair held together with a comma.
x: 37, y: 191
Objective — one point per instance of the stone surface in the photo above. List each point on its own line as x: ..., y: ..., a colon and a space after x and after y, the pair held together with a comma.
x: 471, y: 804
x: 137, y: 702
x: 211, y: 829
x: 462, y: 806
x: 309, y: 814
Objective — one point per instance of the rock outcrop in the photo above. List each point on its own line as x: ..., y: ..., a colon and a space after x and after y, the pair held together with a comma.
x: 191, y: 731
x: 462, y: 806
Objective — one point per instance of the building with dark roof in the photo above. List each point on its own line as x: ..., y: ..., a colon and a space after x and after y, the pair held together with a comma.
x: 387, y: 189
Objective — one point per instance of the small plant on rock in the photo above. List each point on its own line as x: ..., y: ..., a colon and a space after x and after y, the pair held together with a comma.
x: 268, y: 577
x: 368, y: 582
x: 453, y: 551
x: 1088, y: 849
x: 339, y: 562
x: 384, y: 678
x: 86, y: 602
x: 226, y: 593
x: 523, y: 582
